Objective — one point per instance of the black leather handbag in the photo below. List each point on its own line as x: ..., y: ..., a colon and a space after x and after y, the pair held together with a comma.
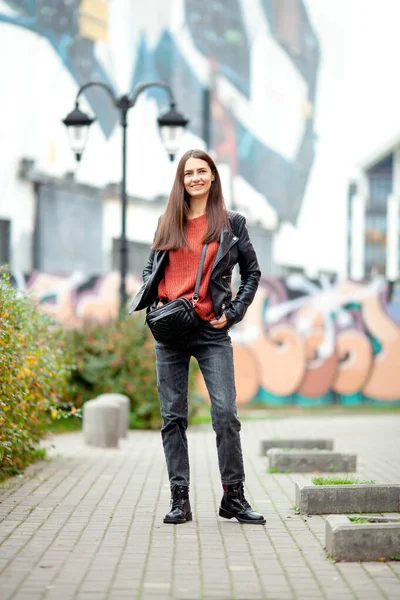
x: 178, y: 317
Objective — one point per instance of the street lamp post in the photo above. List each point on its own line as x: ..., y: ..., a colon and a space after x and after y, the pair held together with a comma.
x: 172, y: 125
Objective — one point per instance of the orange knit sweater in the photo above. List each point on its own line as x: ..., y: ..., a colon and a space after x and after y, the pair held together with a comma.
x: 181, y: 270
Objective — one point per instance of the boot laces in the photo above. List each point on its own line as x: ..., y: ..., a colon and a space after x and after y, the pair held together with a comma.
x: 179, y: 495
x: 238, y: 492
x: 243, y: 497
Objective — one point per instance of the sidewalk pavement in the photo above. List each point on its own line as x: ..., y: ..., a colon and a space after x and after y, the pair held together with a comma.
x: 88, y: 524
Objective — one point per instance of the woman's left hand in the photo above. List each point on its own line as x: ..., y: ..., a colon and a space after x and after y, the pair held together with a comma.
x: 219, y: 323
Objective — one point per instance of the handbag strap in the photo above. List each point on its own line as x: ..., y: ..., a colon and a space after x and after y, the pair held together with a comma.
x: 195, y: 297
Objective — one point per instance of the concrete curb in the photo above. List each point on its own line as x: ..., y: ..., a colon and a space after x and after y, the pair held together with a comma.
x: 305, y: 444
x: 352, y: 542
x: 336, y: 499
x: 124, y: 404
x: 309, y: 461
x: 101, y: 423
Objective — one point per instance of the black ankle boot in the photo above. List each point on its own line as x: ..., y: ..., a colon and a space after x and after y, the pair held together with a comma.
x: 235, y: 505
x: 180, y: 506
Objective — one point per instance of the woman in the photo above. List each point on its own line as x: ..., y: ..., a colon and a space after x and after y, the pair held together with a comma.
x: 196, y: 214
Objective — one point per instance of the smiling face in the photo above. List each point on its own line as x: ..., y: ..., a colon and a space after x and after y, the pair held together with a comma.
x: 197, y: 178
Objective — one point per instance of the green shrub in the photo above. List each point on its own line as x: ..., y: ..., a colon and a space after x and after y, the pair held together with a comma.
x: 119, y: 358
x: 34, y: 374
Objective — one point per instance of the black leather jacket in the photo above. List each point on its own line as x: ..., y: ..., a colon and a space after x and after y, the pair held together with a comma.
x: 235, y: 247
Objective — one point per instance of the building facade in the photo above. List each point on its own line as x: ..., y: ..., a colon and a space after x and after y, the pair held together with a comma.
x: 374, y: 218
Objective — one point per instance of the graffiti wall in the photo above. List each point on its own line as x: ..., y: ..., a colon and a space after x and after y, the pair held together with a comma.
x: 302, y: 342
x: 314, y: 343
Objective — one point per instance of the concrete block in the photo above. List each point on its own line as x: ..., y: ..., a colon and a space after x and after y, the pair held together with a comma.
x: 101, y: 423
x: 309, y: 461
x: 352, y: 542
x: 337, y: 499
x: 124, y: 403
x: 305, y: 443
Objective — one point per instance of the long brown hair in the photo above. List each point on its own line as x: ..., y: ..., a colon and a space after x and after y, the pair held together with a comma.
x: 171, y: 234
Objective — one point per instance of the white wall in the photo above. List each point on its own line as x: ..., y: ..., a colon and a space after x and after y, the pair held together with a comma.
x: 357, y: 111
x: 319, y: 239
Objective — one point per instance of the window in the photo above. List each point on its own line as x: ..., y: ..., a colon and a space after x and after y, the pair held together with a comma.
x: 4, y: 242
x: 352, y: 191
x: 380, y: 179
x: 375, y: 242
x: 380, y: 186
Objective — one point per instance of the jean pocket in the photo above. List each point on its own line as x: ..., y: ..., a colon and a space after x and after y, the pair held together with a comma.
x: 214, y: 331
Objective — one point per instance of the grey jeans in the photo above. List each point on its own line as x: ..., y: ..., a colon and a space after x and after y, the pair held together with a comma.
x: 213, y: 350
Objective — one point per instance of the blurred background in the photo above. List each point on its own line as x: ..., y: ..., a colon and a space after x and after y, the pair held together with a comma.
x: 297, y: 101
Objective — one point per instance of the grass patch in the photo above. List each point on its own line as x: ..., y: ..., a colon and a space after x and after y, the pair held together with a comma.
x: 65, y: 425
x: 330, y: 557
x: 200, y: 419
x: 282, y: 410
x: 35, y: 455
x: 395, y: 556
x: 39, y: 454
x: 361, y: 520
x: 329, y: 480
x: 273, y: 470
x: 302, y: 449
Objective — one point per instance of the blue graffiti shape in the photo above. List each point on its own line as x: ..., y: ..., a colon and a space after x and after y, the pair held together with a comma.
x: 218, y: 31
x: 175, y: 70
x: 291, y: 27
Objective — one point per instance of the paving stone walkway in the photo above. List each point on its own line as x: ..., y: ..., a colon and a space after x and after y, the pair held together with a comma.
x: 88, y: 524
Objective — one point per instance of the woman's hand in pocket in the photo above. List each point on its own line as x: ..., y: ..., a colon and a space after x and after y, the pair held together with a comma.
x: 219, y: 323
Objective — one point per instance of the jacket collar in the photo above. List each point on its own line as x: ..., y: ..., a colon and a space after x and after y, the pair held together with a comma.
x: 160, y: 259
x: 226, y: 240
